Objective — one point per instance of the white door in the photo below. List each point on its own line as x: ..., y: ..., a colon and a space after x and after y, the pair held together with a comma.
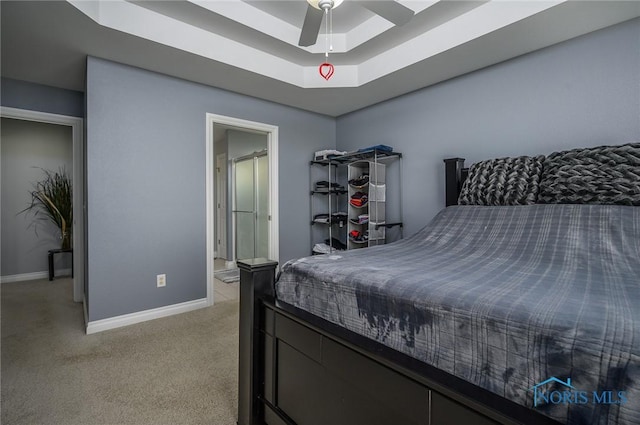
x: 221, y: 206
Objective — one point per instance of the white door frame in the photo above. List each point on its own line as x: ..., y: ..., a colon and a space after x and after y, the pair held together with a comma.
x: 221, y: 205
x: 77, y: 131
x: 272, y: 147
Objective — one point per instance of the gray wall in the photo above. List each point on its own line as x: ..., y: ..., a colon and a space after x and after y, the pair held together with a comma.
x: 580, y: 93
x: 27, y: 145
x: 146, y: 182
x: 36, y: 97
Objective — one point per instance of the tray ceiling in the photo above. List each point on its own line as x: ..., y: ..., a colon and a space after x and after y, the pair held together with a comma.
x: 252, y: 46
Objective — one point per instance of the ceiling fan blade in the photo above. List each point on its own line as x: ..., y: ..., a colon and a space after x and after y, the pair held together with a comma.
x: 390, y: 10
x: 311, y: 26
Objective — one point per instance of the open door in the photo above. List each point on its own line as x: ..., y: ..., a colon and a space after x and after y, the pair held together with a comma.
x: 251, y: 205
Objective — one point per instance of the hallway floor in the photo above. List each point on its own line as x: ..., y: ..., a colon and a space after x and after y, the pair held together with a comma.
x: 224, y: 291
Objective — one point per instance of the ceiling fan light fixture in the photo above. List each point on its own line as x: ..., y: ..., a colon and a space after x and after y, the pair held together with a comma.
x: 325, y: 4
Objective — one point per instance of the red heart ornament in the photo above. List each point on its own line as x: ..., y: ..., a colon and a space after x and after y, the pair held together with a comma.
x: 326, y: 70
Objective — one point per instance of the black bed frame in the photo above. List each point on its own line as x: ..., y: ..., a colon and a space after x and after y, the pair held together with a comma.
x: 298, y: 369
x: 455, y: 174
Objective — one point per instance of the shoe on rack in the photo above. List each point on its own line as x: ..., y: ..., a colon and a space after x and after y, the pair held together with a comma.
x: 360, y: 181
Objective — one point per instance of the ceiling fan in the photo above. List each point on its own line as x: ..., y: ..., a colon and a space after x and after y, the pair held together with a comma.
x: 388, y: 9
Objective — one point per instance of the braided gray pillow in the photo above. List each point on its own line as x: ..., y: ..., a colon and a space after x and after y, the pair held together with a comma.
x: 601, y: 175
x: 502, y: 181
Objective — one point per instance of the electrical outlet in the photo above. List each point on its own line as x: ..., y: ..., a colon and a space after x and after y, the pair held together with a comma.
x: 161, y: 280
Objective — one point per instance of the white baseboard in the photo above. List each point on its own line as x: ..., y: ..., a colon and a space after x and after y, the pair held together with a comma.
x: 33, y: 276
x: 143, y: 316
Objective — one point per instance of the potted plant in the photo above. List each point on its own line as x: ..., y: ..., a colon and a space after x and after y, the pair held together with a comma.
x: 52, y: 199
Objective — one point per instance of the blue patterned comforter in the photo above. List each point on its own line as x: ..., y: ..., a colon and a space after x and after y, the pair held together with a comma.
x: 503, y: 297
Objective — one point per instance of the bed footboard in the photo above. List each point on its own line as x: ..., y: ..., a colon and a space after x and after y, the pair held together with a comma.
x: 257, y: 277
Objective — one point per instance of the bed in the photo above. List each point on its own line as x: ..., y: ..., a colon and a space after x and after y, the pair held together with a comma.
x: 518, y: 303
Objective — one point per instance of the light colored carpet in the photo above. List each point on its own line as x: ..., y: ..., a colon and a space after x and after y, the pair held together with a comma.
x: 228, y: 276
x: 176, y: 370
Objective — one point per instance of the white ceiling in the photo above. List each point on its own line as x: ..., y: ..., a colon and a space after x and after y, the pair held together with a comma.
x: 251, y: 47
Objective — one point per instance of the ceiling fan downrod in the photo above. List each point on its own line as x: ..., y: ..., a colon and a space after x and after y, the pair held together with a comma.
x: 326, y: 69
x: 325, y: 4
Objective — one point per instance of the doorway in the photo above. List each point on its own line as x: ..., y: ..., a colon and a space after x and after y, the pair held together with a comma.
x: 242, y: 196
x: 76, y: 125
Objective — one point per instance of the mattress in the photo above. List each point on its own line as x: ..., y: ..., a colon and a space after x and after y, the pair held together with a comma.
x: 539, y: 304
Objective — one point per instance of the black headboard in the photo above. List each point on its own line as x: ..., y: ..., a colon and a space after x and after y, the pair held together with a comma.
x: 455, y: 173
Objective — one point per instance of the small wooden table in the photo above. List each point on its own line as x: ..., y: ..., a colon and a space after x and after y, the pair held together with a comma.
x: 52, y: 252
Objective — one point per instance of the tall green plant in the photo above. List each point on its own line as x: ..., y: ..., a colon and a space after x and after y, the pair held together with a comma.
x: 52, y: 199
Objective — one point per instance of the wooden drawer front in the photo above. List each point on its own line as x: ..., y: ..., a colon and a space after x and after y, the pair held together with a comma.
x: 326, y: 383
x: 299, y: 337
x: 406, y: 399
x: 445, y: 411
x: 304, y: 403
